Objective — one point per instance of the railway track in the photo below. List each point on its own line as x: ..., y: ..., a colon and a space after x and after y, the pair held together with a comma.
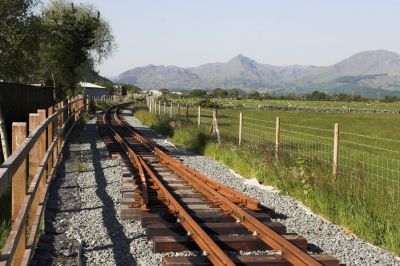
x: 182, y: 209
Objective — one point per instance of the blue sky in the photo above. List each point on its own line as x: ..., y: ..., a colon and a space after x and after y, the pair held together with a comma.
x: 190, y: 33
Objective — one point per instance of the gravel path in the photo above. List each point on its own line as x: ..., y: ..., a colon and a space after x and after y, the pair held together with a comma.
x: 83, y: 211
x: 324, y: 236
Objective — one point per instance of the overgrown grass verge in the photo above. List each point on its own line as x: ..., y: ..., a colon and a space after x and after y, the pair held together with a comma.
x: 5, y: 218
x: 309, y: 181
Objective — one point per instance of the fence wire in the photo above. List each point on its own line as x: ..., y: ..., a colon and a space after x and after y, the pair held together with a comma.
x: 368, y: 167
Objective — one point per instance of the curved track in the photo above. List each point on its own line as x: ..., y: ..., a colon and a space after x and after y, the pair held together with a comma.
x: 185, y: 210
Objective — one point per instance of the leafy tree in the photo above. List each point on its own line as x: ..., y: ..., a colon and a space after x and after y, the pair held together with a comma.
x: 254, y: 95
x: 18, y: 39
x: 132, y: 89
x: 74, y: 40
x: 164, y: 91
x: 219, y: 92
x: 318, y: 96
x: 197, y: 93
x: 233, y: 93
x: 390, y: 99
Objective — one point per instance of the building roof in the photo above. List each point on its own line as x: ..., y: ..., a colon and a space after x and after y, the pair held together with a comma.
x: 88, y: 85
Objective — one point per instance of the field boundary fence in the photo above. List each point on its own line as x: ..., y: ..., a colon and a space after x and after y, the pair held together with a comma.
x: 365, y: 169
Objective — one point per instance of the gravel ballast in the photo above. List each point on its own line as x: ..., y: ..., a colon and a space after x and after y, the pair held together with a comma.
x: 324, y: 236
x: 82, y: 212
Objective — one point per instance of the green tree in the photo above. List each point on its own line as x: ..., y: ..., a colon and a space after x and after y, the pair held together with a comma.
x: 197, y: 93
x: 164, y: 91
x: 74, y: 40
x: 219, y: 92
x: 233, y: 93
x: 132, y: 89
x: 18, y: 39
x: 254, y: 95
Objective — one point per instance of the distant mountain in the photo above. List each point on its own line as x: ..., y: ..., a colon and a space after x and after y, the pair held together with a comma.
x: 369, y: 72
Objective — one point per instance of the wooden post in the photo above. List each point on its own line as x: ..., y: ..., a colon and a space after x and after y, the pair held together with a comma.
x: 187, y: 113
x: 42, y: 151
x: 149, y: 106
x: 159, y: 108
x: 34, y: 160
x: 335, y: 151
x: 170, y: 111
x: 18, y: 184
x: 179, y: 111
x: 34, y: 152
x: 199, y: 117
x: 215, y: 126
x: 240, y: 127
x: 165, y: 107
x: 277, y: 137
x: 50, y: 139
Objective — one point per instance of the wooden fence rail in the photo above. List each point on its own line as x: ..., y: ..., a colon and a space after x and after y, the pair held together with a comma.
x: 34, y: 160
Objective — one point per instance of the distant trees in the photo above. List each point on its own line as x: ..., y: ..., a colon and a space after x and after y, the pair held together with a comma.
x: 234, y: 93
x: 219, y: 92
x: 197, y: 93
x: 317, y: 96
x: 254, y: 95
x: 164, y: 91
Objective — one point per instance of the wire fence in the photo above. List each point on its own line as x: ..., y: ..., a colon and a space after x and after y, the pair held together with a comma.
x: 357, y: 169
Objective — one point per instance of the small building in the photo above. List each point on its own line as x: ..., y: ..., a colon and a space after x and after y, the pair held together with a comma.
x: 91, y: 89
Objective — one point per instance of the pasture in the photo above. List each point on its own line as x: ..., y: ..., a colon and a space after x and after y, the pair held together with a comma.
x: 364, y: 196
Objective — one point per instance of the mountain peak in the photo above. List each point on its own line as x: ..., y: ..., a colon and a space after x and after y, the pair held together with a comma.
x: 243, y: 61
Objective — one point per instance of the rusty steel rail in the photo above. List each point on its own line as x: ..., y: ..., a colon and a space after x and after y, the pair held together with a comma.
x: 133, y: 158
x: 222, y: 198
x: 202, y: 239
x: 234, y: 196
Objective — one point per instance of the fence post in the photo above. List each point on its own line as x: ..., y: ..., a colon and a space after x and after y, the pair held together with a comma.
x: 240, y: 127
x: 50, y: 136
x: 215, y: 126
x: 179, y: 111
x: 199, y: 117
x: 335, y: 151
x: 149, y: 105
x: 170, y: 111
x: 187, y: 113
x: 34, y: 160
x: 42, y: 150
x: 18, y: 184
x: 159, y: 107
x: 18, y: 189
x: 277, y: 137
x: 165, y: 106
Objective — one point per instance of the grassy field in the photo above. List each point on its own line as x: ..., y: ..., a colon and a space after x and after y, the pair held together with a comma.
x: 364, y: 196
x: 253, y: 103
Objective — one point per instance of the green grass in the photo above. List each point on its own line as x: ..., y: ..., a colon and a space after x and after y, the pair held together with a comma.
x: 5, y: 218
x: 253, y: 103
x: 365, y: 199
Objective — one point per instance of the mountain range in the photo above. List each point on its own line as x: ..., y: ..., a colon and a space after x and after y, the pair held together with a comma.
x: 371, y: 73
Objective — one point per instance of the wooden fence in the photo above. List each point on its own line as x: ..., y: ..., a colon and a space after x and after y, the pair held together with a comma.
x: 17, y: 108
x: 155, y: 107
x: 30, y: 169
